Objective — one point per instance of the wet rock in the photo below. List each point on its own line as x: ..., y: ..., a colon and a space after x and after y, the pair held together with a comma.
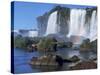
x: 43, y: 61
x: 74, y: 58
x: 85, y: 65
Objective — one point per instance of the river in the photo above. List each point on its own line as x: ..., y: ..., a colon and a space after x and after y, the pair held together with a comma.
x: 22, y: 57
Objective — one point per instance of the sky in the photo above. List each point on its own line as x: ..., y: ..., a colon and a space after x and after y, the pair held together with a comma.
x: 25, y: 13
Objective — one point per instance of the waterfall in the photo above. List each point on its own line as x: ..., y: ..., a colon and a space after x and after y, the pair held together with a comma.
x: 52, y: 25
x: 93, y: 26
x: 78, y: 27
x: 77, y: 22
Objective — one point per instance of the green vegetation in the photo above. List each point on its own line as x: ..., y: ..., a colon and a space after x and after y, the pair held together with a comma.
x: 42, y: 44
x: 46, y: 43
x: 25, y: 42
x: 94, y: 45
x: 89, y: 45
x: 86, y: 44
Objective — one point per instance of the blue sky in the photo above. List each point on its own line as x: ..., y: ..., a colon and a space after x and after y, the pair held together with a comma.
x: 25, y: 13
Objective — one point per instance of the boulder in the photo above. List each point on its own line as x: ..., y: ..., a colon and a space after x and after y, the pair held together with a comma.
x: 74, y: 58
x: 84, y: 65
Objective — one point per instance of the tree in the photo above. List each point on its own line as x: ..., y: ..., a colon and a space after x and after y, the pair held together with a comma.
x: 46, y: 43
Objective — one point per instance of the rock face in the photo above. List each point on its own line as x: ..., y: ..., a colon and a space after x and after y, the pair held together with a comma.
x: 63, y: 20
x: 42, y: 24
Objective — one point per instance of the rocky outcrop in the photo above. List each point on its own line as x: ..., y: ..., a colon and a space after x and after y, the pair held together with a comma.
x: 43, y: 61
x: 63, y: 20
x: 52, y: 60
x: 74, y: 58
x: 42, y: 24
x: 84, y: 65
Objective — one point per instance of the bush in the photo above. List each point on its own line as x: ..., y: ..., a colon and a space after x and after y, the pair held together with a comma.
x: 89, y: 45
x: 46, y: 43
x: 25, y: 42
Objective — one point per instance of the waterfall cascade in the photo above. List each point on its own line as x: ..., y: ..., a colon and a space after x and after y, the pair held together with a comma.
x: 78, y: 25
x: 52, y: 24
x: 93, y: 27
x: 77, y: 22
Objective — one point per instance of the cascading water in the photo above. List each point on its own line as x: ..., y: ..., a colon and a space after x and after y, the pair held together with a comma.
x: 78, y: 27
x: 77, y: 22
x: 93, y: 26
x: 52, y: 25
